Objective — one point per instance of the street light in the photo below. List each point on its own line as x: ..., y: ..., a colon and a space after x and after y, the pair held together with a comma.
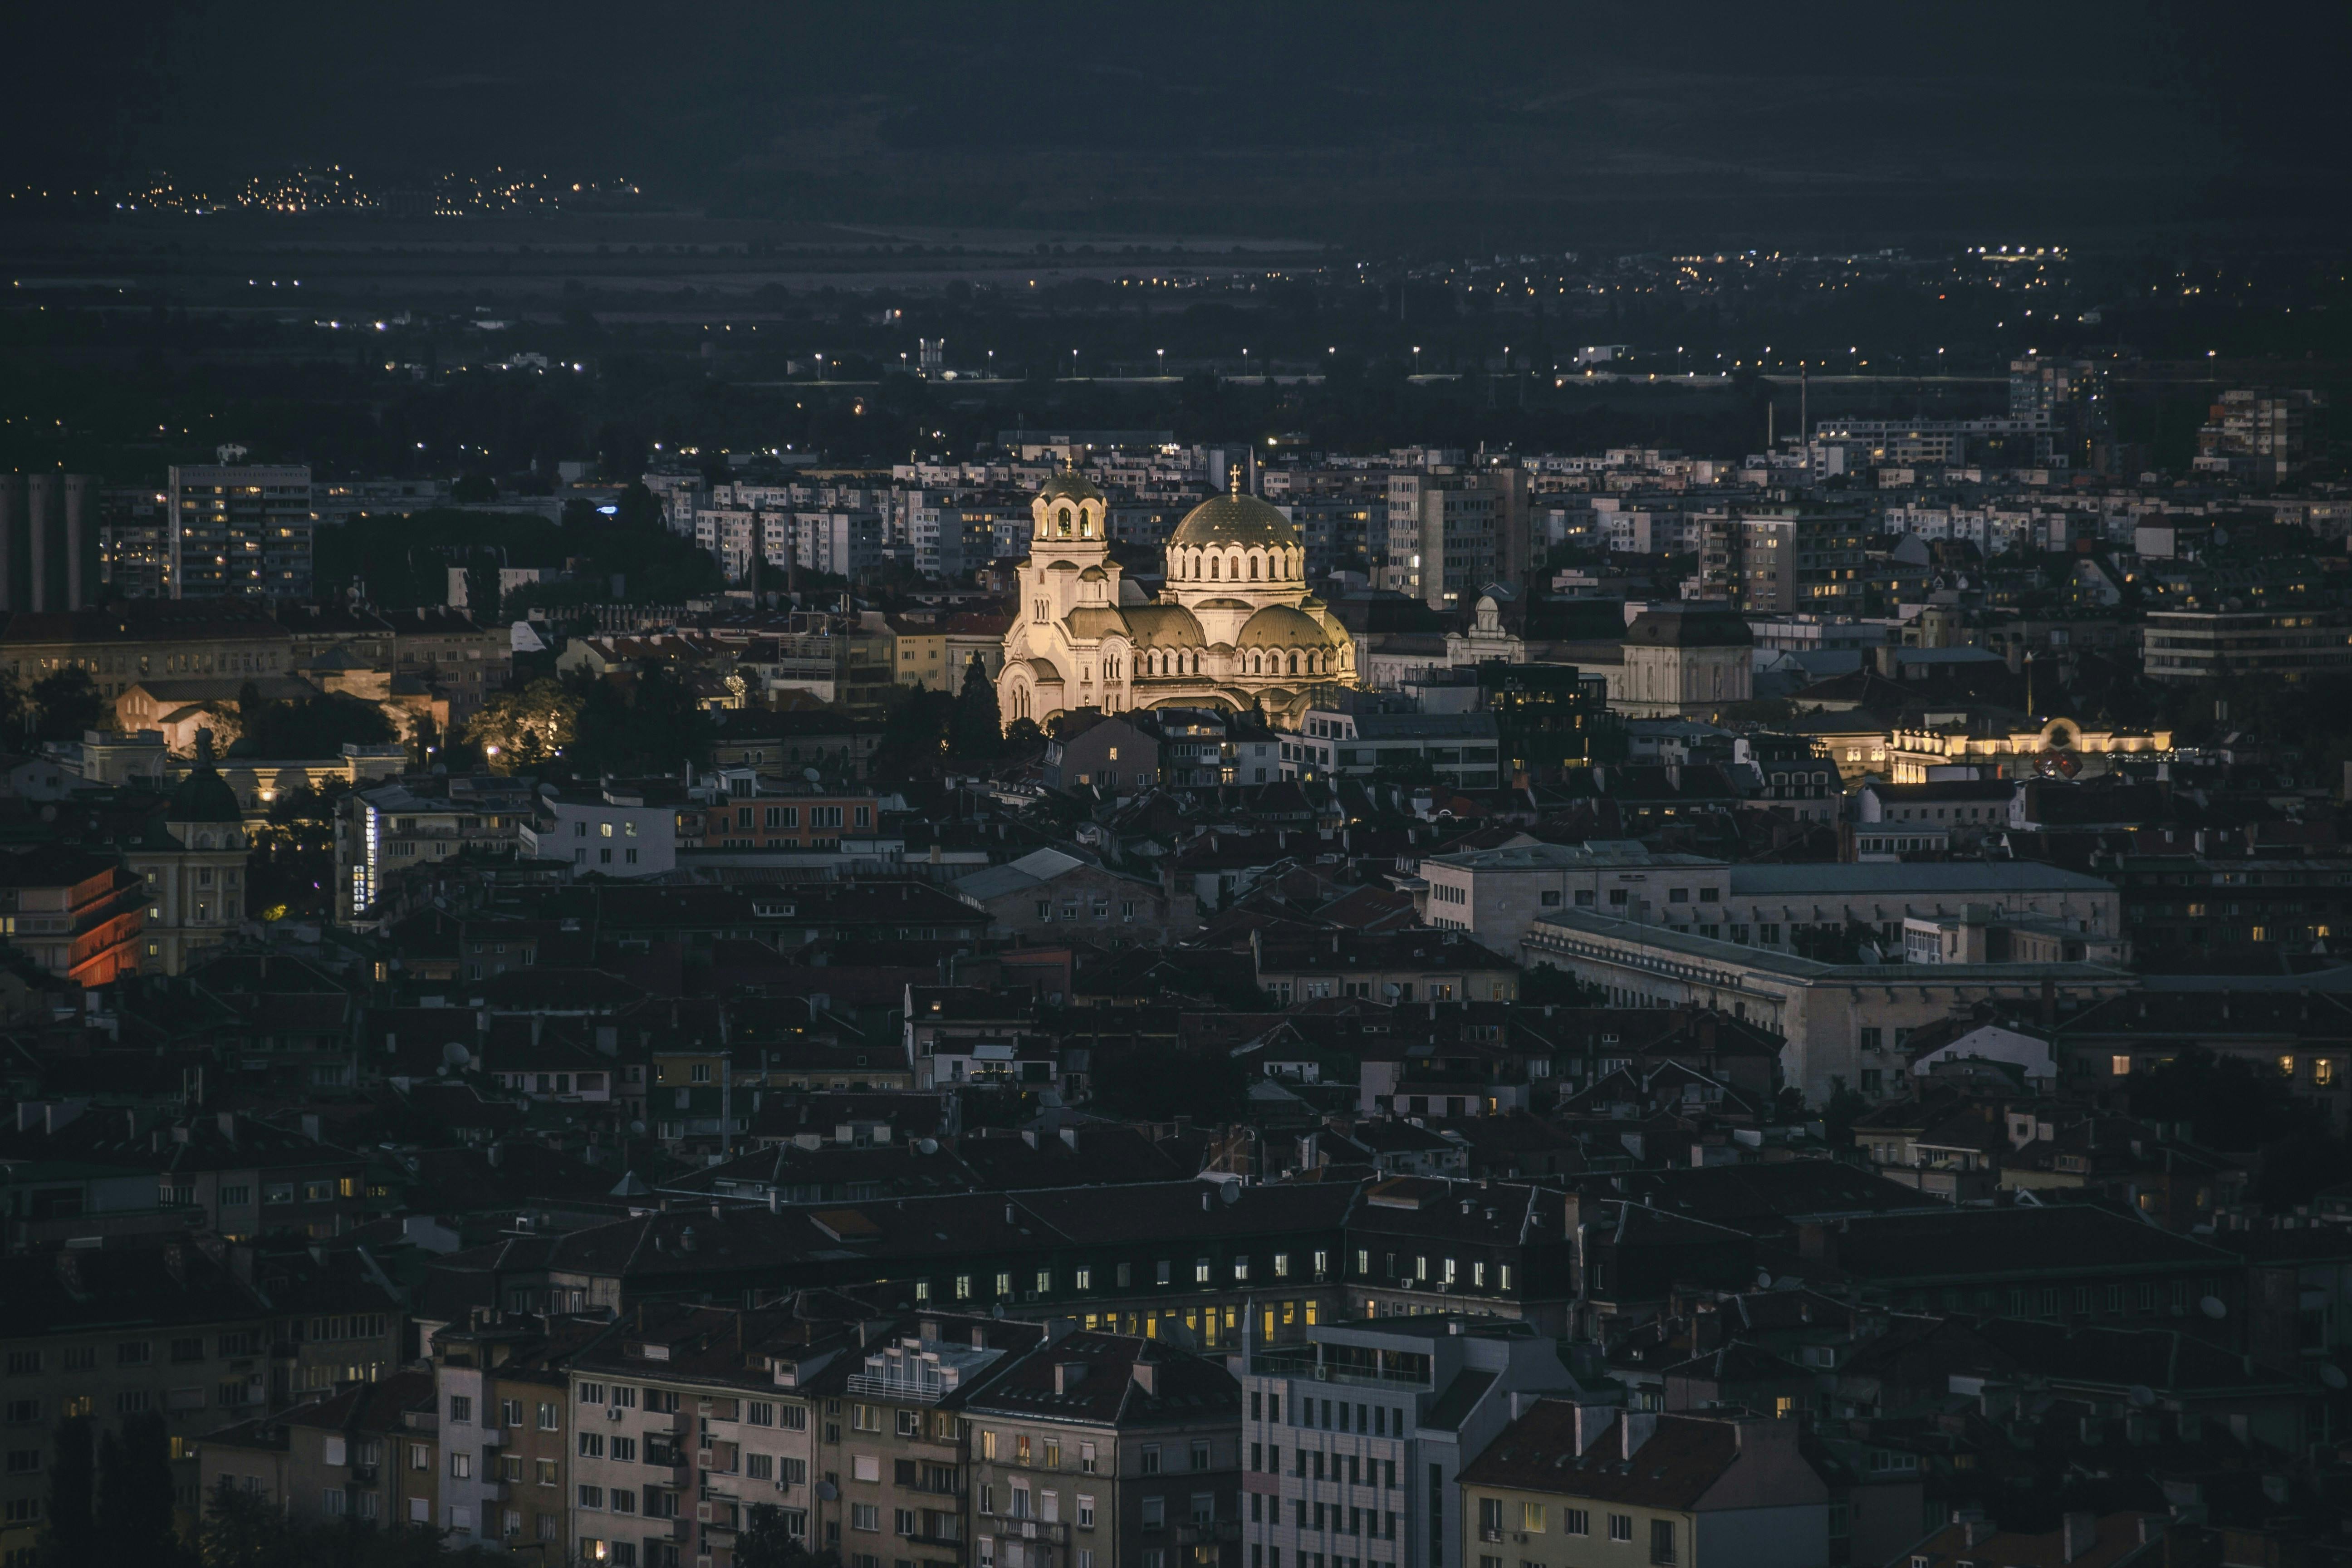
x: 1416, y: 359
x: 1163, y: 363
x: 991, y: 365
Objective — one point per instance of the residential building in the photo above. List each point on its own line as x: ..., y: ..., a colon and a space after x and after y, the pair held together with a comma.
x: 239, y: 528
x: 74, y: 912
x: 500, y: 1392
x: 1358, y: 1437
x: 368, y: 1453
x: 1061, y: 894
x: 1783, y: 559
x: 1583, y: 1486
x: 620, y: 828
x: 134, y: 540
x: 2260, y: 436
x: 1390, y: 966
x: 393, y: 828
x: 2247, y: 645
x: 1111, y: 1448
x: 1117, y: 755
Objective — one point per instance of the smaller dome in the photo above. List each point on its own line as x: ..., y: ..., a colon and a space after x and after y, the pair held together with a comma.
x: 1070, y: 485
x: 1094, y: 574
x: 1279, y: 625
x: 203, y: 796
x: 1676, y: 626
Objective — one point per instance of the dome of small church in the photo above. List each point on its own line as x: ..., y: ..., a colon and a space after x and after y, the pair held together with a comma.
x: 1279, y: 625
x: 1240, y: 520
x: 203, y: 796
x: 1689, y: 627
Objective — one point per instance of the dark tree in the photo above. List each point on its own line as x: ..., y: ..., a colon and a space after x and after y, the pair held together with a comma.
x: 764, y: 1543
x: 134, y: 1493
x: 482, y: 588
x: 316, y: 727
x: 71, y: 1540
x: 473, y: 488
x: 65, y: 703
x: 978, y: 732
x: 2227, y: 1102
x: 1209, y: 1086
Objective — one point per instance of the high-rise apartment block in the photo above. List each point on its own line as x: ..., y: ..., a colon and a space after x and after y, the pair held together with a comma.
x: 239, y: 529
x: 48, y: 526
x: 2258, y: 435
x: 1783, y: 558
x: 1451, y: 533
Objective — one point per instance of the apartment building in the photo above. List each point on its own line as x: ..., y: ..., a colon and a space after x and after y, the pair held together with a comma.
x: 685, y: 1418
x: 393, y: 828
x: 1582, y: 1485
x: 1787, y: 559
x: 1356, y: 1439
x: 615, y: 829
x: 1447, y: 535
x: 108, y: 1327
x: 370, y: 1452
x: 893, y: 1449
x: 77, y: 914
x: 239, y: 529
x: 122, y: 644
x: 2246, y: 645
x: 752, y: 813
x: 1101, y: 1450
x: 501, y: 1397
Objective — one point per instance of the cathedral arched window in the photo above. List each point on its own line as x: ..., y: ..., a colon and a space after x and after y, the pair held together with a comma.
x: 1294, y: 664
x: 1213, y: 565
x: 1253, y: 568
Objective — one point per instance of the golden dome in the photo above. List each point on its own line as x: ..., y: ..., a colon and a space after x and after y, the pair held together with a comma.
x: 1240, y: 520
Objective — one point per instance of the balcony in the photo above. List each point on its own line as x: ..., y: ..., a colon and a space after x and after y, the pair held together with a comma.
x: 1052, y: 1531
x: 1208, y: 1531
x: 676, y: 1423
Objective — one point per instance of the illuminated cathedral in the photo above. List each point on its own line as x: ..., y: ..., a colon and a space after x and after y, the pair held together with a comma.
x: 1234, y: 626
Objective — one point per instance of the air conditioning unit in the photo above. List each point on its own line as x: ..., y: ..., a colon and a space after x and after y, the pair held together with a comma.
x: 612, y: 1412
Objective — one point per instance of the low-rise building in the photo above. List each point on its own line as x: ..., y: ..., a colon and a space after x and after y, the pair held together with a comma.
x: 619, y: 828
x: 75, y: 913
x: 1496, y: 894
x: 1581, y: 1486
x: 1389, y: 966
x: 370, y: 1452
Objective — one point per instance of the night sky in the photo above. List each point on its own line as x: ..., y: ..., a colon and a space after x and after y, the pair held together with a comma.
x: 1533, y: 124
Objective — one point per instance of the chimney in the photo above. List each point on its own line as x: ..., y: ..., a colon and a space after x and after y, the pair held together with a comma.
x: 1147, y: 1376
x: 1975, y: 1531
x: 310, y: 1127
x: 1068, y: 1375
x: 2078, y: 1533
x: 1591, y: 1421
x: 2049, y: 1003
x: 1637, y: 1429
x: 228, y: 1122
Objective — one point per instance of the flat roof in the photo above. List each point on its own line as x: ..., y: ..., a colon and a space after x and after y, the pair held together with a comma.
x: 1948, y: 877
x: 1592, y: 852
x: 1790, y: 966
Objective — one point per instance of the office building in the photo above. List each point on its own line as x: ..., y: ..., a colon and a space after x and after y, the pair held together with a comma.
x: 1355, y: 1439
x: 239, y: 528
x: 2246, y: 645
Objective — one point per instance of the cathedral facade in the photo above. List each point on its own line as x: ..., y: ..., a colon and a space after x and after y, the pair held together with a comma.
x: 1234, y: 626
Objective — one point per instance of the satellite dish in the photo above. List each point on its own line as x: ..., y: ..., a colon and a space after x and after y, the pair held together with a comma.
x: 1763, y: 1280
x: 812, y: 775
x: 455, y: 1055
x: 2213, y: 1307
x: 997, y: 1311
x: 1232, y: 1192
x: 827, y: 1490
x: 2333, y: 1375
x: 2142, y: 1396
x: 927, y: 1146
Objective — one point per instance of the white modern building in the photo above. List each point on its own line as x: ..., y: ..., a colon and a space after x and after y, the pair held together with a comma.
x: 1352, y: 1441
x: 617, y: 829
x: 1496, y: 894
